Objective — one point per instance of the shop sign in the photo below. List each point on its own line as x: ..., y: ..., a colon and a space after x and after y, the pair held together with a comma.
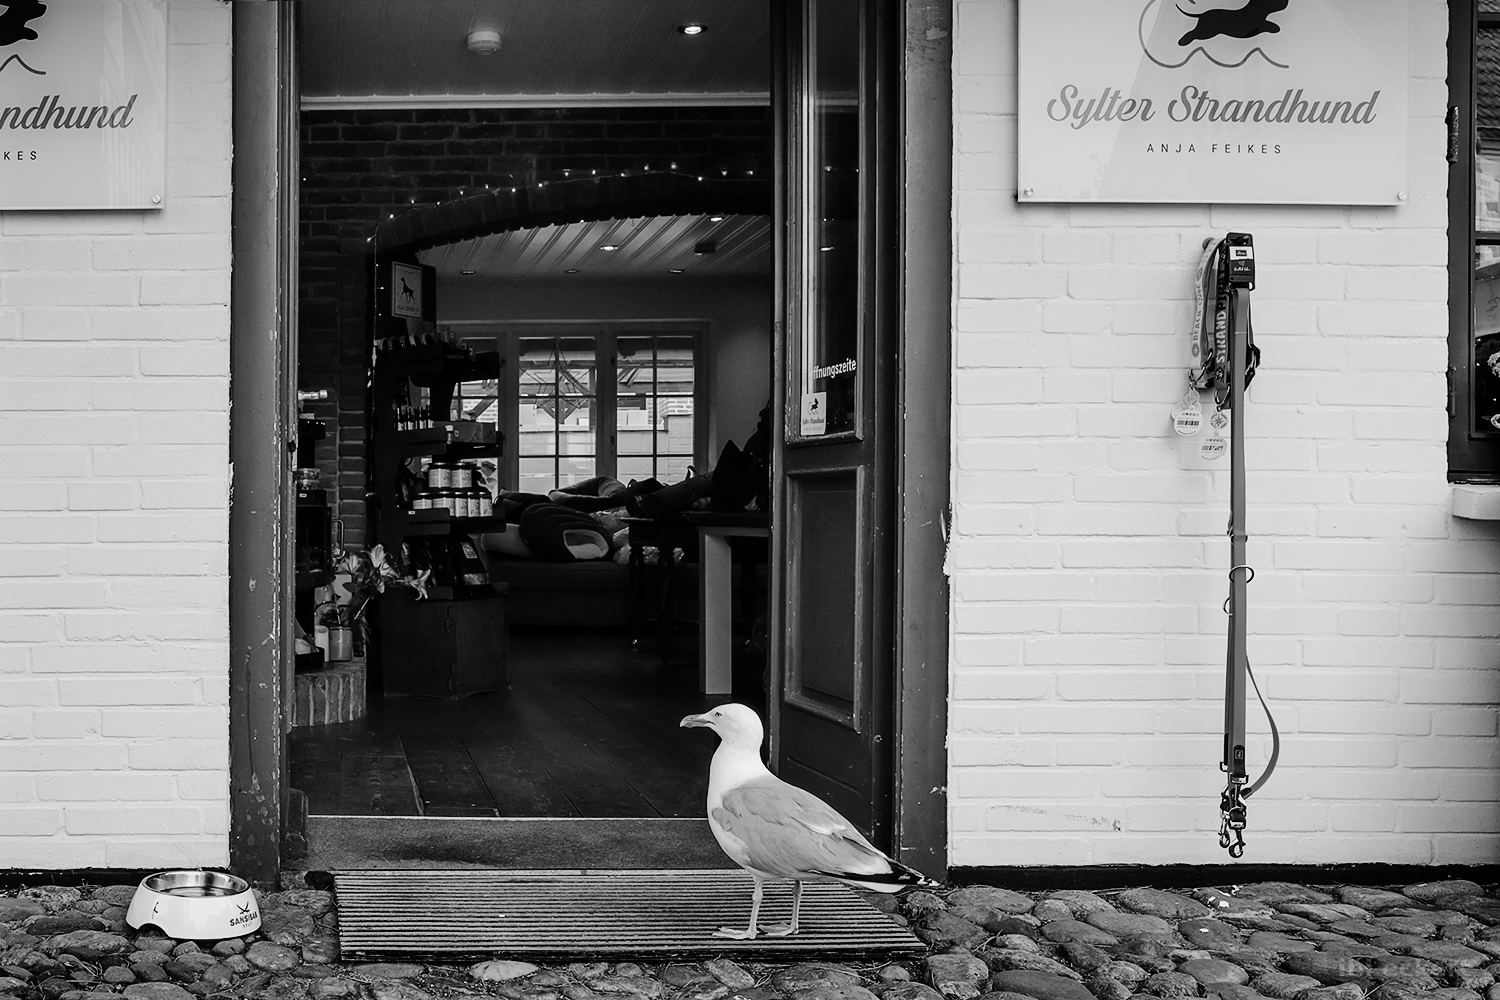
x: 410, y: 292
x: 1289, y: 102
x: 83, y: 119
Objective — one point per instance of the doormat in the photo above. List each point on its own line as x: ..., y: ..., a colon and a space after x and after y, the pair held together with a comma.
x: 464, y: 915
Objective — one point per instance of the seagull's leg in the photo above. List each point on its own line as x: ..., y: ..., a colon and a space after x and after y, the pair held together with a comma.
x: 785, y: 930
x: 749, y: 933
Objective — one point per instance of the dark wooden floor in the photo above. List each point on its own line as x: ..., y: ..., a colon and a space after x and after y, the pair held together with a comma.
x: 589, y: 728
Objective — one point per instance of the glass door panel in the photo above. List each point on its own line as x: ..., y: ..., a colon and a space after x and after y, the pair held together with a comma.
x: 832, y: 313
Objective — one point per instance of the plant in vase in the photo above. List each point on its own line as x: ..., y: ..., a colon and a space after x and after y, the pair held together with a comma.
x: 368, y: 573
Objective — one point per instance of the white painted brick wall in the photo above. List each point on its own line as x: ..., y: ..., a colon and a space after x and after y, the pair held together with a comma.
x: 1088, y: 553
x: 114, y: 473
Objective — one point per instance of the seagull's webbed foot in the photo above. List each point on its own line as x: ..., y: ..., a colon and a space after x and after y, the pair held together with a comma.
x: 735, y: 933
x: 779, y: 930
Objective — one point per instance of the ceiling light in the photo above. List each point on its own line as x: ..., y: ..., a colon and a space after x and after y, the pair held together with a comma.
x: 609, y: 247
x: 571, y: 270
x: 467, y: 270
x: 692, y: 29
x: 675, y: 270
x: 716, y: 218
x: 484, y: 41
x: 825, y: 249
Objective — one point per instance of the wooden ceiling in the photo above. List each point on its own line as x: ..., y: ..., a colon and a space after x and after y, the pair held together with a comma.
x: 649, y: 247
x: 413, y: 53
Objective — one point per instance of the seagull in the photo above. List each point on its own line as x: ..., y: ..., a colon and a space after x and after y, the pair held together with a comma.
x: 777, y: 831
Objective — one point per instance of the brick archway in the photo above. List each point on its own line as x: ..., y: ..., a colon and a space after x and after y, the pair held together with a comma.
x: 571, y: 199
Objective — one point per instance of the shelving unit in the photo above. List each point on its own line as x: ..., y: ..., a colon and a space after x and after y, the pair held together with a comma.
x: 454, y: 642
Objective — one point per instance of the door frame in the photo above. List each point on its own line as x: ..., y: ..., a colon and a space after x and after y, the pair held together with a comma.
x: 924, y: 400
x: 263, y: 399
x: 263, y: 413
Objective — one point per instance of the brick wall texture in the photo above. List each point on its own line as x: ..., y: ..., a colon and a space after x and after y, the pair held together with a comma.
x: 114, y: 409
x: 1089, y: 557
x: 361, y: 168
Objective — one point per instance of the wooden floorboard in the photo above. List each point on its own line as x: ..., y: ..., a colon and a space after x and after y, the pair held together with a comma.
x: 518, y: 783
x: 589, y: 728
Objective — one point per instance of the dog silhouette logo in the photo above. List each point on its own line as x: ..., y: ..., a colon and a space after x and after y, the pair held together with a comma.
x: 13, y: 26
x: 1249, y: 21
x: 14, y: 29
x: 1225, y: 35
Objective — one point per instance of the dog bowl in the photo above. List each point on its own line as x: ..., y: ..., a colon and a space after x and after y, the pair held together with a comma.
x: 195, y: 905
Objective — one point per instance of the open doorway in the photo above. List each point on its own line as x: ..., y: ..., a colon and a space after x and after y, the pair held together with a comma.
x: 888, y: 65
x: 589, y: 207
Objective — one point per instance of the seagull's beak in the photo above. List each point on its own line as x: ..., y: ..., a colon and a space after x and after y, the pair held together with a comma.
x: 693, y: 722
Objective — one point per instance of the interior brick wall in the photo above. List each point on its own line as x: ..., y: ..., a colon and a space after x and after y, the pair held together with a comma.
x: 362, y: 168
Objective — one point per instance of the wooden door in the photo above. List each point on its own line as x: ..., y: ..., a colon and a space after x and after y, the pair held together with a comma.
x: 833, y: 662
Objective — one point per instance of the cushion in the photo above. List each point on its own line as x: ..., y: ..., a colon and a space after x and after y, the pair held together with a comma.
x: 555, y: 532
x: 507, y: 543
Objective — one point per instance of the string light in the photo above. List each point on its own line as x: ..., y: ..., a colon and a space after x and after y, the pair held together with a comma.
x: 593, y: 177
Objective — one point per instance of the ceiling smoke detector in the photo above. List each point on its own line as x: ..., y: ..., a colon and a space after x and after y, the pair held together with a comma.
x: 484, y: 41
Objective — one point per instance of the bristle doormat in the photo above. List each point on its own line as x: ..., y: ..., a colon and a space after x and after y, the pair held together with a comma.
x: 451, y: 916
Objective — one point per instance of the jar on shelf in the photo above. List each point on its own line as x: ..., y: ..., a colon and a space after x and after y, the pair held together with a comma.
x: 422, y: 501
x: 439, y: 475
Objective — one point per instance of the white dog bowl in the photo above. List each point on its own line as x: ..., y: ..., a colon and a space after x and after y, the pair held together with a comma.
x: 195, y: 905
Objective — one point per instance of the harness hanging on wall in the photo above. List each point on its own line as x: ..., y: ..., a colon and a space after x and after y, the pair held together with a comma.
x: 1224, y: 360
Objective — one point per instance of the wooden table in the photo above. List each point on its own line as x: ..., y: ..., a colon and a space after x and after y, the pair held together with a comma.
x: 715, y: 616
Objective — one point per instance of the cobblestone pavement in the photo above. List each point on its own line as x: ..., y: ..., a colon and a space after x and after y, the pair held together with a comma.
x: 1272, y: 939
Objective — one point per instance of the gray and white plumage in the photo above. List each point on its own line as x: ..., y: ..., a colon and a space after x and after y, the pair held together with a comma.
x: 777, y: 831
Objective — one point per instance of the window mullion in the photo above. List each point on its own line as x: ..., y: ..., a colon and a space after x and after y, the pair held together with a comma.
x: 606, y: 446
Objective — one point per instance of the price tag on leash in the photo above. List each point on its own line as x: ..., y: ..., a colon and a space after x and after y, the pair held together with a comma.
x: 1214, y: 446
x: 1187, y: 415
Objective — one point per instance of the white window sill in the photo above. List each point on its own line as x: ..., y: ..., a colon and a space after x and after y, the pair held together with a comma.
x: 1477, y: 503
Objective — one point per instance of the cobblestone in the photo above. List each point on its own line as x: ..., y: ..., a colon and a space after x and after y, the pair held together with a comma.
x: 1436, y: 940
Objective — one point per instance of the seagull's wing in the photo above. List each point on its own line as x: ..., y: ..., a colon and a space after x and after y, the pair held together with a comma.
x: 790, y: 832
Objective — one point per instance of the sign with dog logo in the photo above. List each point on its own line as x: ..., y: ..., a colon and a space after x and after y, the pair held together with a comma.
x: 1291, y: 102
x: 83, y: 120
x: 814, y: 414
x: 410, y: 292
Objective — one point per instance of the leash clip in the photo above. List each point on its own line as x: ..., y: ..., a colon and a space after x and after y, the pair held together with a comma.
x: 1233, y: 817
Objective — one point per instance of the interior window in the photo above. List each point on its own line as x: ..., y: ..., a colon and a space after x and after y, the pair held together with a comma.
x: 556, y: 439
x: 621, y: 404
x: 654, y: 414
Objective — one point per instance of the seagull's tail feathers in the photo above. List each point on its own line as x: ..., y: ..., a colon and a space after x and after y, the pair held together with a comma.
x: 898, y: 878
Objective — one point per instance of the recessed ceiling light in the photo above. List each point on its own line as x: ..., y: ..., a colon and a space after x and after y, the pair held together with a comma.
x: 675, y: 270
x: 609, y: 247
x: 571, y: 270
x: 716, y: 218
x: 467, y: 270
x: 484, y: 41
x: 825, y: 249
x: 692, y: 28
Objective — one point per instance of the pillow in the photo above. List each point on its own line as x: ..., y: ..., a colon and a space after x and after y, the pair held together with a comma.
x: 507, y: 543
x: 555, y: 532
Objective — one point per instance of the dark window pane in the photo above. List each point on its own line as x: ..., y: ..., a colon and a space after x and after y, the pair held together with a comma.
x: 1487, y: 78
x: 830, y: 353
